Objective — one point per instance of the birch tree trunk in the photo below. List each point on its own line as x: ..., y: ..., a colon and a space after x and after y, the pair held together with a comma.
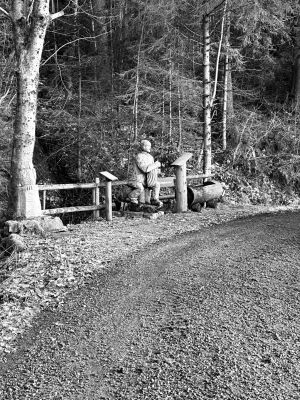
x: 79, y: 129
x: 227, y: 100
x: 79, y: 132
x: 163, y: 114
x: 170, y: 97
x: 29, y: 28
x: 206, y: 96
x: 179, y: 144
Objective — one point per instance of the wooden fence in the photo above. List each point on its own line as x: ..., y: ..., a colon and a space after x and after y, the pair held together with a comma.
x: 168, y: 182
x: 179, y: 182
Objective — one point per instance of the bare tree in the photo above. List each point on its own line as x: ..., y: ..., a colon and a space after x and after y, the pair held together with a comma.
x: 206, y: 95
x: 296, y: 85
x: 29, y: 23
x: 227, y: 99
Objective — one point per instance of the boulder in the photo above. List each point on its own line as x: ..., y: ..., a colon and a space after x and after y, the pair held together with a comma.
x: 37, y: 226
x: 32, y: 226
x: 12, y: 227
x: 52, y: 224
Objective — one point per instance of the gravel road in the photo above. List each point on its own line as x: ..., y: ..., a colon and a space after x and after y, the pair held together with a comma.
x: 212, y: 314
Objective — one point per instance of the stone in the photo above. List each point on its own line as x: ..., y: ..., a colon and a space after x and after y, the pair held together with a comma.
x: 32, y: 226
x: 52, y: 224
x: 13, y: 242
x: 37, y: 226
x: 154, y: 216
x: 12, y: 226
x: 24, y: 226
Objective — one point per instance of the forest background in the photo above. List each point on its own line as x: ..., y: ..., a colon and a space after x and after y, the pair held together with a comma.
x: 220, y: 79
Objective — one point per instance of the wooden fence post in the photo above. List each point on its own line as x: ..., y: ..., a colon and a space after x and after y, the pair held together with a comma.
x: 96, y: 199
x: 181, y: 182
x: 44, y: 199
x: 108, y: 194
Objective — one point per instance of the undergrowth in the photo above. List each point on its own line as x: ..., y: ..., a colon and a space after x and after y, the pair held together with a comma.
x: 260, y: 166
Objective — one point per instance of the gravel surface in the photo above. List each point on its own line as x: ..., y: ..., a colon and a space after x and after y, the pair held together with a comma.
x: 58, y: 263
x: 212, y: 314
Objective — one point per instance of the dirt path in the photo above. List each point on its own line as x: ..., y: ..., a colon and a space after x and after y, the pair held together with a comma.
x: 208, y: 315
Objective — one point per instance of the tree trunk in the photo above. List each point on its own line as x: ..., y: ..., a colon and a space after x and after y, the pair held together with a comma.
x: 206, y: 96
x: 29, y: 28
x: 79, y: 130
x: 179, y: 144
x: 163, y: 115
x: 170, y: 97
x: 227, y: 100
x: 137, y: 84
x: 213, y: 96
x: 29, y: 33
x: 296, y: 88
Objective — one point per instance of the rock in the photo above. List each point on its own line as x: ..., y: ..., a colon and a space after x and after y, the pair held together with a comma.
x: 32, y: 226
x: 52, y: 224
x: 24, y: 226
x: 154, y: 216
x: 37, y: 226
x: 13, y: 242
x: 12, y: 227
x: 197, y: 207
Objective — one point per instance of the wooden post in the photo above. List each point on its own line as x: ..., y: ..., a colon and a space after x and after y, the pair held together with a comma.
x: 44, y: 200
x: 181, y: 183
x: 96, y: 199
x: 108, y: 194
x: 108, y: 201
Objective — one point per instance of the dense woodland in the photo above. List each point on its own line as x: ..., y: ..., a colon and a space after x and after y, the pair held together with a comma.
x: 220, y: 79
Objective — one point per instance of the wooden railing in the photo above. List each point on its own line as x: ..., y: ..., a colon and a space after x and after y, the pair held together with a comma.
x: 69, y: 186
x: 179, y: 182
x: 168, y: 182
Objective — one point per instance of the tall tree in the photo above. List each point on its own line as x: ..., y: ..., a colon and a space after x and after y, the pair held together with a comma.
x: 29, y: 23
x: 206, y: 95
x: 228, y: 96
x: 296, y: 86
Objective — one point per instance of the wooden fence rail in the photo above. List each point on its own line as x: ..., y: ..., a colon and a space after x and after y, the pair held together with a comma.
x: 166, y: 182
x: 179, y: 181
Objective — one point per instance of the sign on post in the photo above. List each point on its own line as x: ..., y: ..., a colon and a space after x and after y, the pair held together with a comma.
x: 108, y: 193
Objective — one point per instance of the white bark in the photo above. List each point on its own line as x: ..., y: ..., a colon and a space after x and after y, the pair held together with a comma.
x: 206, y: 96
x: 218, y: 56
x: 29, y: 29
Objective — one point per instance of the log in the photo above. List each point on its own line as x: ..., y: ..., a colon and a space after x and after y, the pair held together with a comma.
x: 207, y: 192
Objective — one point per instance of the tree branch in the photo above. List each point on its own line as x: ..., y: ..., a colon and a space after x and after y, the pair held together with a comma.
x: 68, y: 43
x: 3, y: 11
x: 56, y: 15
